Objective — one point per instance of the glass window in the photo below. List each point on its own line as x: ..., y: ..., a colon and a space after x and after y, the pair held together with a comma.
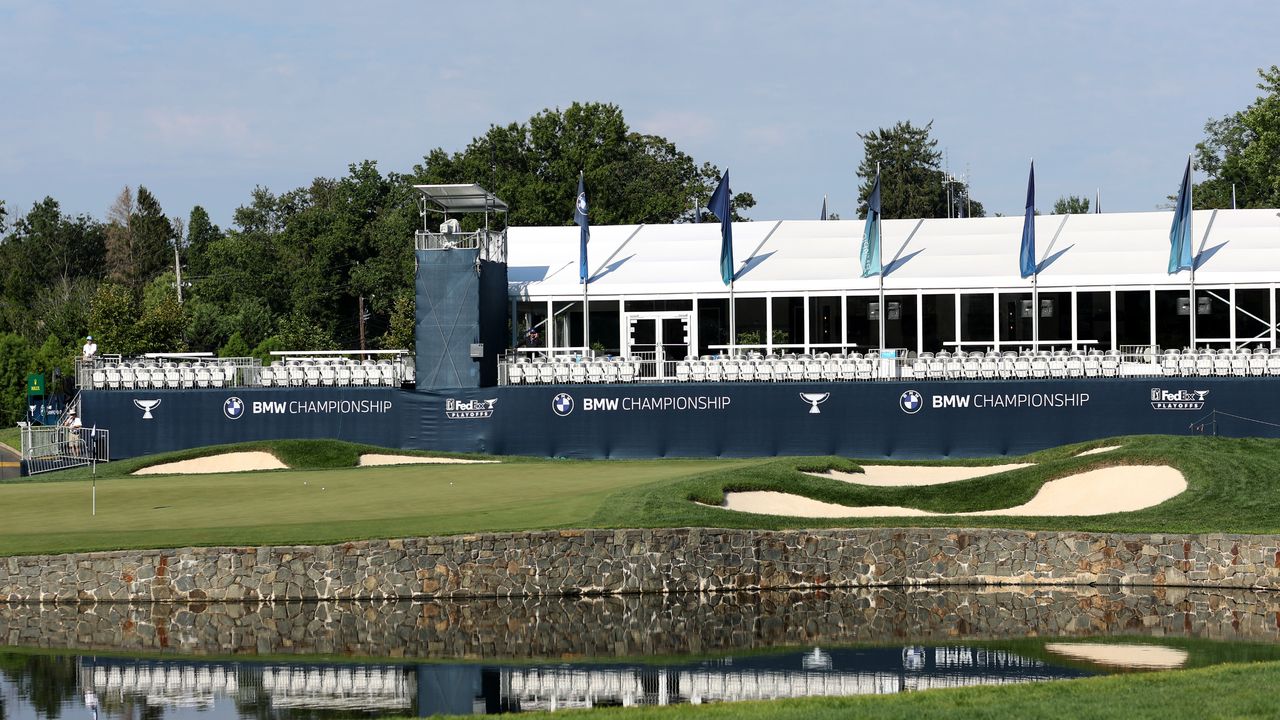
x: 1015, y: 317
x: 900, y: 322
x: 567, y: 318
x: 939, y: 322
x: 1055, y: 317
x: 1213, y: 316
x: 976, y: 323
x: 604, y: 327
x: 531, y: 324
x: 788, y: 322
x: 659, y: 305
x: 1133, y: 317
x: 864, y: 329
x: 713, y: 326
x: 1093, y: 319
x: 824, y: 321
x: 1253, y: 319
x: 750, y: 318
x: 1173, y: 319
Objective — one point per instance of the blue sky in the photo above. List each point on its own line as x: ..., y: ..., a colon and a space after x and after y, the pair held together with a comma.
x: 200, y: 102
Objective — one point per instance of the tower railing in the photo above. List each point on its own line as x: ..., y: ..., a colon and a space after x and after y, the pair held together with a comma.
x: 491, y: 243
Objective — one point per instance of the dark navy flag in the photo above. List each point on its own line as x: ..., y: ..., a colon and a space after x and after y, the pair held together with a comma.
x: 824, y: 208
x: 1180, y: 233
x: 580, y: 217
x: 870, y: 254
x: 720, y: 200
x: 1027, y: 258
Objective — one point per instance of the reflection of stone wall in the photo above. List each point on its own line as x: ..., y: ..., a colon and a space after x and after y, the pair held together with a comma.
x: 628, y: 561
x: 641, y: 624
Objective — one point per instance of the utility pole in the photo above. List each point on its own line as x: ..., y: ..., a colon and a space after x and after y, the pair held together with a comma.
x: 177, y: 271
x: 361, y: 323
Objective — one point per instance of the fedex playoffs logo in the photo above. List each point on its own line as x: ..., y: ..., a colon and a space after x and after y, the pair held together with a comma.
x: 1177, y: 399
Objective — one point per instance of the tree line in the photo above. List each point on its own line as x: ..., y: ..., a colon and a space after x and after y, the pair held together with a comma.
x: 294, y: 267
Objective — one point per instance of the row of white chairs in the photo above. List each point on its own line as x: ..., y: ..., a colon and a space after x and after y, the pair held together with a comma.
x: 141, y: 376
x: 1238, y: 364
x: 547, y: 372
x: 337, y: 372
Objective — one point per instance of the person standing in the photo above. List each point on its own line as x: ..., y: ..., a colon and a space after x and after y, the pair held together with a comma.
x: 90, y: 347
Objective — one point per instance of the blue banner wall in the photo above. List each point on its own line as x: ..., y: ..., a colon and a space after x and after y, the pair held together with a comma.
x: 150, y: 421
x: 869, y: 420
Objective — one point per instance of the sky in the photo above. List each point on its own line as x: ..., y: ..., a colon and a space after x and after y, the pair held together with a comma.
x: 201, y: 102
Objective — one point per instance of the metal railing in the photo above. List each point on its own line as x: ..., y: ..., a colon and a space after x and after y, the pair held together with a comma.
x: 58, y: 447
x: 1131, y: 362
x: 492, y: 244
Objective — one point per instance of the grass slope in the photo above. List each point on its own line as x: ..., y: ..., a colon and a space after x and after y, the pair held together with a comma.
x: 10, y: 436
x: 1226, y: 691
x: 1231, y: 488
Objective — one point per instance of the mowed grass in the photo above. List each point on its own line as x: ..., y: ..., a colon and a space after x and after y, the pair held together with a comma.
x: 315, y: 506
x: 1233, y: 486
x: 11, y: 436
x: 1226, y: 691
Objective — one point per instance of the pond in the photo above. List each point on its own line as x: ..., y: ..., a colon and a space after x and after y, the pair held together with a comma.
x: 294, y: 660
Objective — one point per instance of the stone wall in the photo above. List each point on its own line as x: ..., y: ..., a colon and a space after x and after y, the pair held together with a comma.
x: 643, y: 561
x: 635, y: 625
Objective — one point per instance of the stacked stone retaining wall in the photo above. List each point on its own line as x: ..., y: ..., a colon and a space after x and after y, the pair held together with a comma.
x: 643, y: 561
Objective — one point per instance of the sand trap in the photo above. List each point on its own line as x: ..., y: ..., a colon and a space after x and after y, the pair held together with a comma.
x: 1095, y: 451
x: 227, y: 462
x: 376, y: 459
x: 902, y: 475
x: 1097, y: 492
x: 1120, y: 655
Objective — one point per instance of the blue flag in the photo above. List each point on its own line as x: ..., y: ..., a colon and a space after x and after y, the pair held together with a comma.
x: 580, y: 217
x: 720, y: 206
x: 1180, y: 233
x: 824, y: 208
x: 1027, y: 258
x: 870, y: 255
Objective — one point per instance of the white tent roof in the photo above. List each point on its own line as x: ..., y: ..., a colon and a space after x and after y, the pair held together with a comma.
x: 1233, y: 247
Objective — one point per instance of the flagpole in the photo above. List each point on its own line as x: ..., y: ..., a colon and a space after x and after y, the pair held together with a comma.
x: 880, y: 261
x: 1191, y: 238
x: 1035, y: 282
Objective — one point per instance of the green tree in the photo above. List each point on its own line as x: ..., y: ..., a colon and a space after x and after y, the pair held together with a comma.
x: 1071, y: 205
x: 139, y: 238
x: 402, y: 326
x: 911, y: 177
x: 111, y: 319
x: 15, y: 363
x: 630, y: 177
x: 1243, y: 150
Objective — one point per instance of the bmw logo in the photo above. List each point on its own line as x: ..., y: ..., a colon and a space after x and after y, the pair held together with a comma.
x: 233, y: 408
x: 562, y: 405
x: 910, y: 402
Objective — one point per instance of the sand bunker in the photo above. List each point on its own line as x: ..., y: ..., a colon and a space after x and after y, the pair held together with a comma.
x: 1097, y: 492
x: 1121, y: 655
x: 903, y: 475
x: 376, y: 459
x: 227, y: 462
x: 1095, y: 451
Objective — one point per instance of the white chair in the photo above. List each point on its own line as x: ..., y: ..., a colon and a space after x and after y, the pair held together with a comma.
x: 628, y: 372
x: 1257, y: 364
x: 297, y: 375
x: 203, y: 377
x: 172, y: 378
x: 1205, y: 365
x: 578, y: 373
x: 1075, y: 366
x: 99, y: 379
x: 732, y: 371
x: 698, y: 371
x: 387, y: 371
x: 715, y: 371
x: 126, y: 377
x: 612, y: 371
x: 328, y: 375
x: 1240, y: 365
x: 595, y: 372
x: 546, y: 373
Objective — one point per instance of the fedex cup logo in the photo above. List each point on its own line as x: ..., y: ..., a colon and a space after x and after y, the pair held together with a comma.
x: 146, y: 406
x: 814, y: 400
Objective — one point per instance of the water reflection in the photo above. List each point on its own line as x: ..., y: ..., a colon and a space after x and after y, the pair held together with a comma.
x: 501, y: 655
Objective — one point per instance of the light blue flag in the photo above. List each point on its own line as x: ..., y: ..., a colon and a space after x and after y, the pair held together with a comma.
x: 1180, y: 233
x: 870, y: 255
x: 720, y: 205
x: 1027, y: 256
